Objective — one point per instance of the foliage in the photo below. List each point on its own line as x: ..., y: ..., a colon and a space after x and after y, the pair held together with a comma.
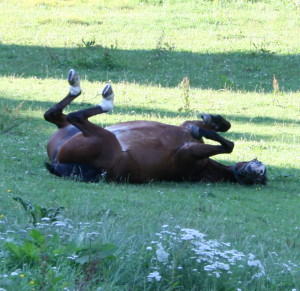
x: 9, y: 117
x: 185, y: 88
x: 38, y: 213
x: 42, y: 250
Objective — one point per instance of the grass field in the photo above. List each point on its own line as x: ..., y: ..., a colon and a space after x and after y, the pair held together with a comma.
x: 151, y: 237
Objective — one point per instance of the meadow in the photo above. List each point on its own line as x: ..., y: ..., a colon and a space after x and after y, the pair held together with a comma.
x: 242, y: 60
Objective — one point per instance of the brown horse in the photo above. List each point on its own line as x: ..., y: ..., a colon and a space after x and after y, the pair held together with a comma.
x: 140, y: 151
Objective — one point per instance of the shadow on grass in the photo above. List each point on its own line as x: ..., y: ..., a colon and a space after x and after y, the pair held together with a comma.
x: 250, y: 71
x: 46, y: 129
x: 139, y: 110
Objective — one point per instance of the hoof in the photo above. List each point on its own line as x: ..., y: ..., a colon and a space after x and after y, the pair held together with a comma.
x: 107, y: 92
x: 74, y: 81
x: 108, y: 95
x: 73, y: 78
x: 217, y: 122
x: 207, y: 119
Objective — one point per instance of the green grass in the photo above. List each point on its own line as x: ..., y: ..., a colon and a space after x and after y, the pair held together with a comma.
x: 230, y: 51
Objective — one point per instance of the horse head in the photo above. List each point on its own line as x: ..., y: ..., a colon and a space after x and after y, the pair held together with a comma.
x: 249, y: 173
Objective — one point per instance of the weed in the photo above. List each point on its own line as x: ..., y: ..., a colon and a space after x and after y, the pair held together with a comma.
x: 89, y: 54
x: 262, y: 47
x: 9, y: 117
x: 227, y: 83
x: 38, y: 213
x: 163, y: 47
x: 53, y: 56
x: 88, y: 43
x: 185, y: 92
x: 275, y: 85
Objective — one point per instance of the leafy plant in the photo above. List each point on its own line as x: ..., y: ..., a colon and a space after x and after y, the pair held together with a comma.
x: 185, y: 91
x: 262, y: 47
x: 227, y: 83
x: 88, y: 43
x: 36, y: 213
x: 89, y: 54
x: 162, y: 47
x: 9, y: 117
x: 49, y: 251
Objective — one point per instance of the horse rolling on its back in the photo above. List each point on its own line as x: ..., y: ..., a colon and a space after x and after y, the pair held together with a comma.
x: 140, y: 151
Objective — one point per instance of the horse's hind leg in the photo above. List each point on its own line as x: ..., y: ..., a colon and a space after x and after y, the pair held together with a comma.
x: 80, y: 118
x: 54, y: 114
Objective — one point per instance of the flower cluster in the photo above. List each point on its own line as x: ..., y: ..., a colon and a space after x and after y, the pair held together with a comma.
x: 187, y: 247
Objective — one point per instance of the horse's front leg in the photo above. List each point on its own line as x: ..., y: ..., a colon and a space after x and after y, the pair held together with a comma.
x: 210, y: 122
x: 196, y: 150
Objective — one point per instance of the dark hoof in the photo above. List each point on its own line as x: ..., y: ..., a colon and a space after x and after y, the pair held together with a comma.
x: 73, y: 78
x: 217, y: 122
x: 107, y: 91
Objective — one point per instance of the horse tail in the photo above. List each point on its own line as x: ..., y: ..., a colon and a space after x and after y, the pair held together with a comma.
x: 77, y: 171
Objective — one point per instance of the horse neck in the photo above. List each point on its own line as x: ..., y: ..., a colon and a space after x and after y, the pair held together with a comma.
x: 217, y: 172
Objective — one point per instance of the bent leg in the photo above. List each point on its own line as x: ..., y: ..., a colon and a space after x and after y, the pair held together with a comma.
x: 91, y: 152
x: 54, y: 114
x: 211, y: 122
x: 196, y: 150
x: 80, y: 118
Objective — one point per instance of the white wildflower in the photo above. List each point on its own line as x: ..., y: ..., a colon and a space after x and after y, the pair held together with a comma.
x: 191, y: 234
x: 154, y: 276
x: 162, y: 255
x: 252, y: 262
x: 214, y: 256
x: 59, y: 223
x: 73, y: 257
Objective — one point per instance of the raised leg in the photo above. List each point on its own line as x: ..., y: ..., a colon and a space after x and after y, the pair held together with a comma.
x: 80, y: 118
x: 54, y: 114
x: 194, y: 151
x: 83, y: 155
